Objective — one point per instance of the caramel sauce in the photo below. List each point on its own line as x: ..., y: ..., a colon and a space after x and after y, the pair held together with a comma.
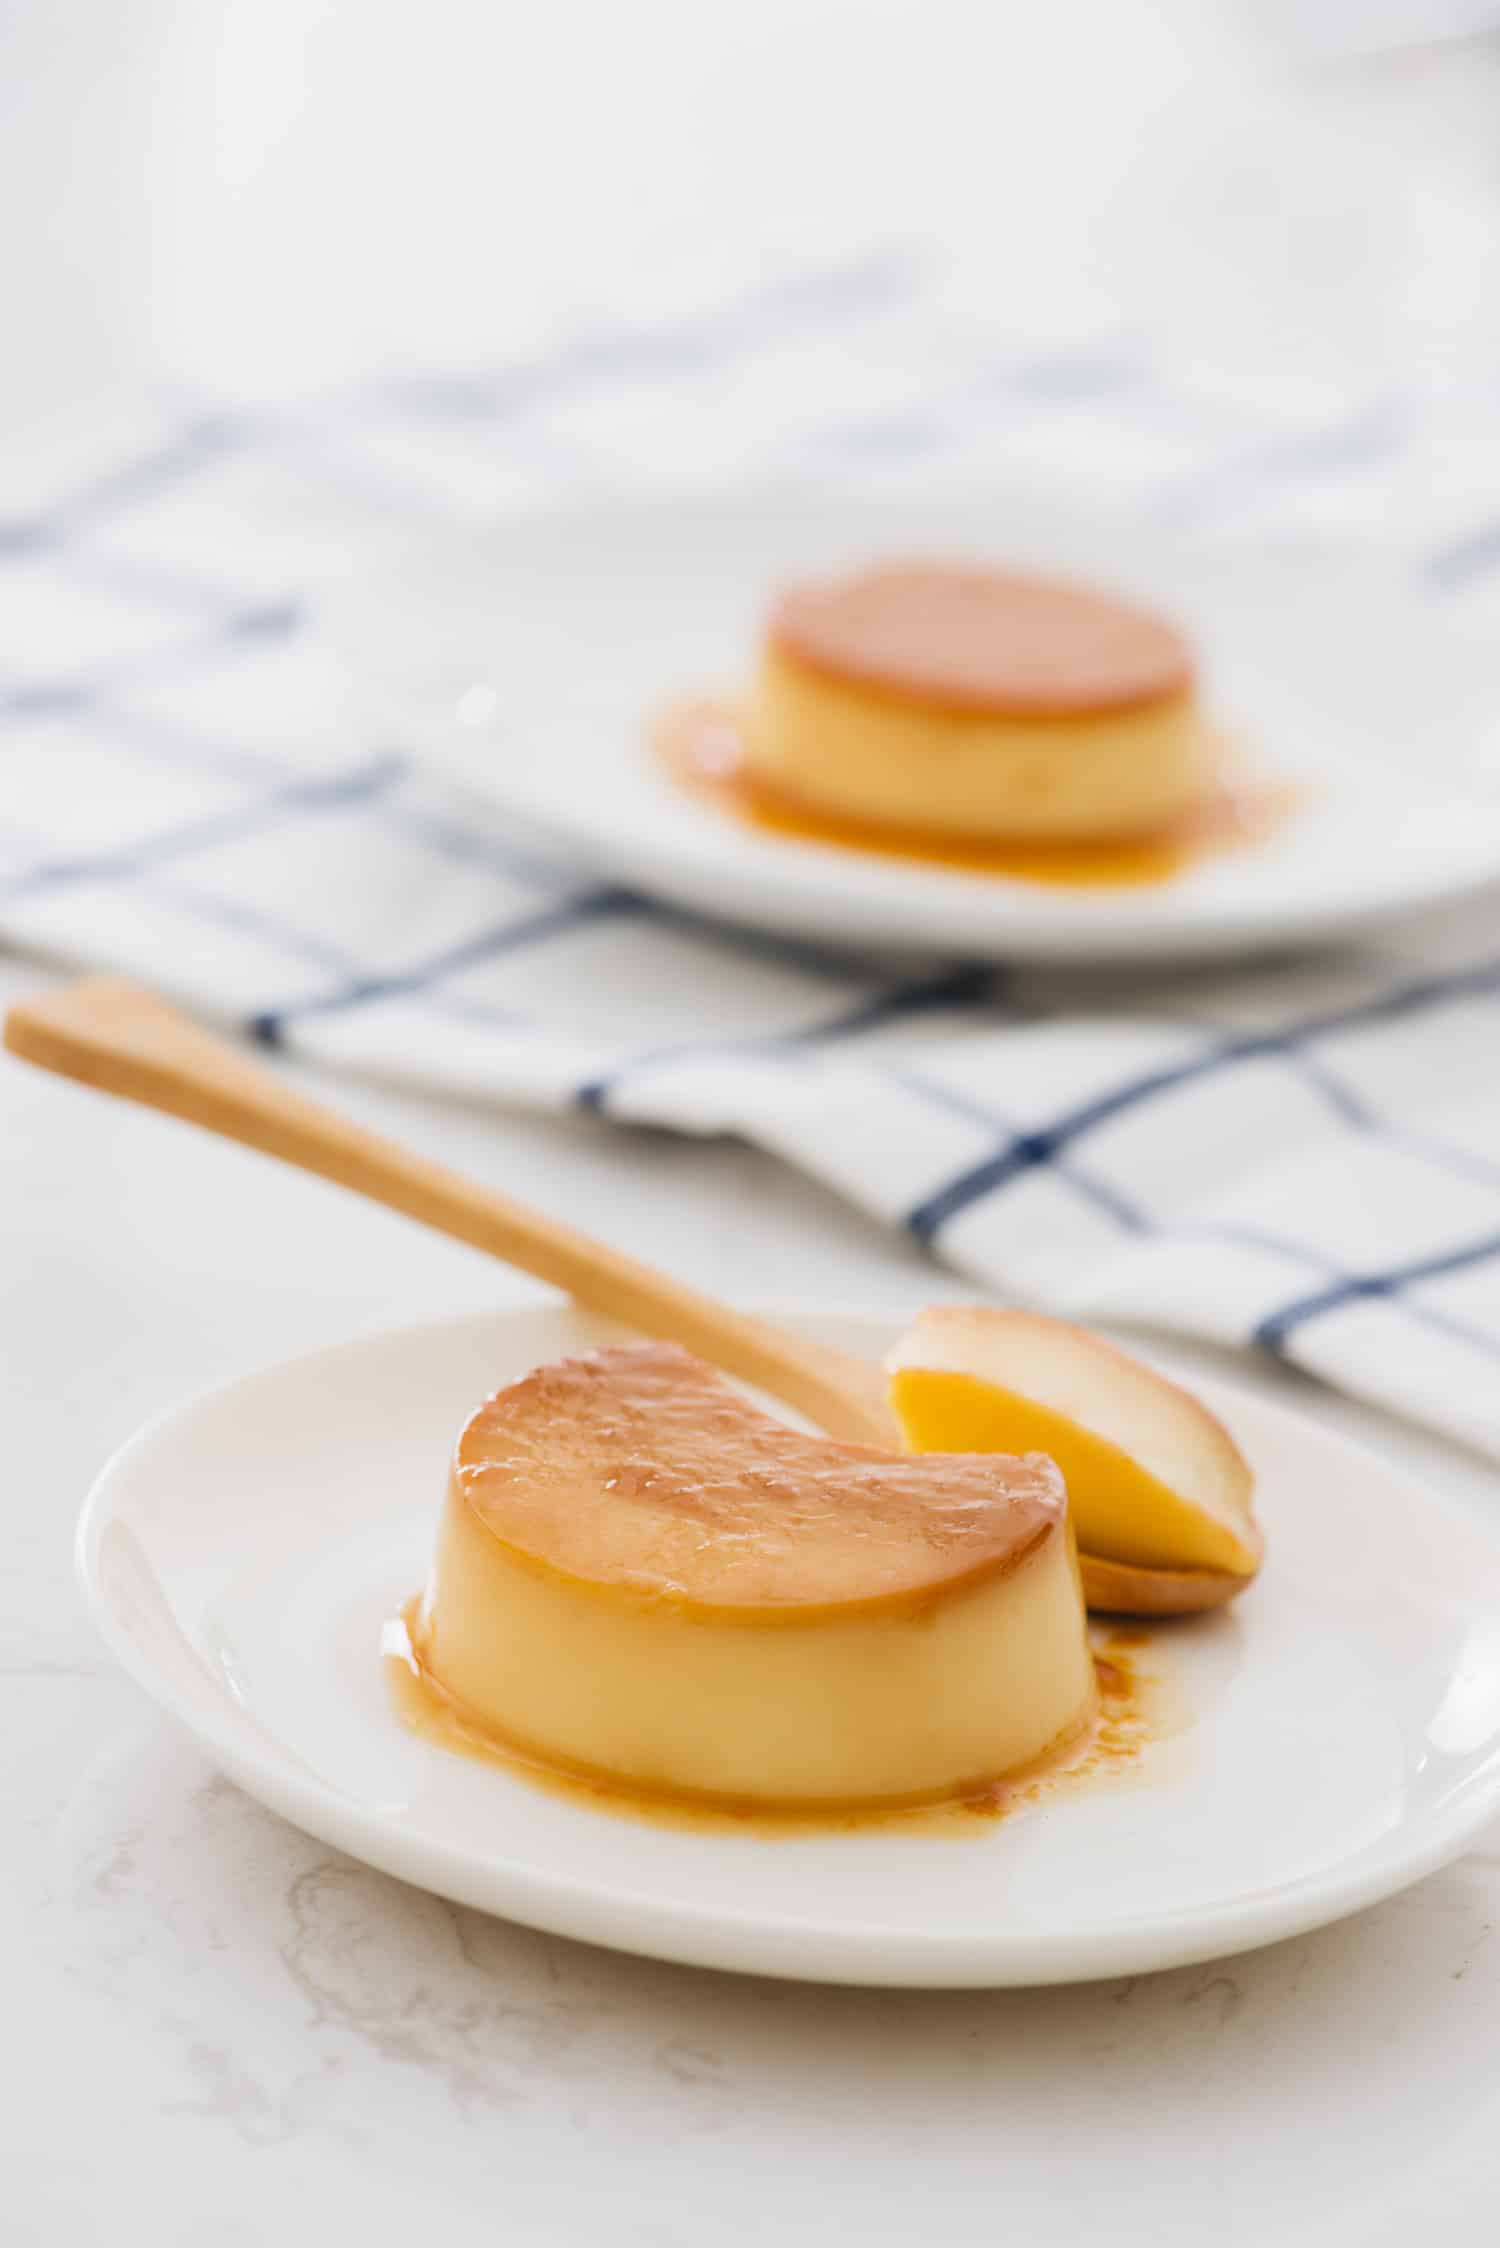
x: 1134, y: 1712
x: 964, y: 636
x: 717, y: 1504
x: 697, y: 743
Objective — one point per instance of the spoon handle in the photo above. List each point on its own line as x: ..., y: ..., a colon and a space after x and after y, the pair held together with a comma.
x: 121, y: 1039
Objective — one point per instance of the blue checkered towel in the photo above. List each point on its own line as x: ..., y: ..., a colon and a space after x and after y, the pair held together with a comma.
x: 1302, y: 1160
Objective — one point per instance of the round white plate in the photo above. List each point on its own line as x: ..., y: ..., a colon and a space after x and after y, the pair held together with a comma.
x: 1340, y: 1729
x: 524, y: 662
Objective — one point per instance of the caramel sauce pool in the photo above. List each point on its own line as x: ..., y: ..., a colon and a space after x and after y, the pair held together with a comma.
x: 697, y: 743
x: 1135, y: 1710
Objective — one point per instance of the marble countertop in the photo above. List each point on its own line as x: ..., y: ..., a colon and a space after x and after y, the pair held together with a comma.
x: 220, y: 2030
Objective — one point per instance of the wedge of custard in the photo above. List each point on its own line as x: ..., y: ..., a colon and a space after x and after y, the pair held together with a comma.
x: 641, y: 1577
x: 1155, y: 1480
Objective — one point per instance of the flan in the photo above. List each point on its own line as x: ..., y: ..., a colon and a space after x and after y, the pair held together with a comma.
x: 1154, y: 1478
x: 641, y: 1577
x: 949, y: 699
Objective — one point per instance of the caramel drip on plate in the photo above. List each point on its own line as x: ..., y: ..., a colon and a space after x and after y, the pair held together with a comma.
x: 697, y: 744
x: 1135, y: 1711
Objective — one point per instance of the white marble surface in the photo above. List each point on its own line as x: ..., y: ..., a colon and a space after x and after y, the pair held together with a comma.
x: 220, y: 2031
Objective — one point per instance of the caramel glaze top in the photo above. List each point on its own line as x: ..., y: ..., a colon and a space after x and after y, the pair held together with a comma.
x: 639, y: 1469
x: 960, y: 637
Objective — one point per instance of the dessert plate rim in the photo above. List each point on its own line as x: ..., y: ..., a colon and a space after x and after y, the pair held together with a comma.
x: 140, y: 1508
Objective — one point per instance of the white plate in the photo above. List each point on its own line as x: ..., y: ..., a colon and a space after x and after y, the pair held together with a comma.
x: 524, y: 662
x: 1342, y: 1727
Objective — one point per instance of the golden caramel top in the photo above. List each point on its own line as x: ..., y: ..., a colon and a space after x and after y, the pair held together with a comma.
x: 638, y: 1468
x: 961, y: 637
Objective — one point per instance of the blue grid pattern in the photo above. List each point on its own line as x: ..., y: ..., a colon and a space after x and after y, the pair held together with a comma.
x: 1303, y: 1160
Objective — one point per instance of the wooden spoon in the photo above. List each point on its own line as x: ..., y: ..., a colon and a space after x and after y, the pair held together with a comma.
x: 124, y: 1040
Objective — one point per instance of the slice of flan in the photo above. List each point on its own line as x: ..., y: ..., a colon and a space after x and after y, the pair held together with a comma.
x: 642, y: 1577
x: 1154, y: 1478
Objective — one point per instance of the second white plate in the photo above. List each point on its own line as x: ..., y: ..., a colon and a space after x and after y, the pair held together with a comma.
x: 1338, y: 1732
x: 524, y: 662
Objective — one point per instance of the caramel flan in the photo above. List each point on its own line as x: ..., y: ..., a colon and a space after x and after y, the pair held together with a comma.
x: 955, y: 700
x: 641, y: 1577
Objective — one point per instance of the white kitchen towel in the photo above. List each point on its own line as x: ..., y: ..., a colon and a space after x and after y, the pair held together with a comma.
x: 1302, y: 1159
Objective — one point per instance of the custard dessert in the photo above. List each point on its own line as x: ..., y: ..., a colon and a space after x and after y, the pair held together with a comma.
x: 1154, y: 1479
x: 948, y: 699
x: 641, y: 1577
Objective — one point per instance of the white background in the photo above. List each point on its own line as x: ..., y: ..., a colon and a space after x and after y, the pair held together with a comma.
x: 278, y: 193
